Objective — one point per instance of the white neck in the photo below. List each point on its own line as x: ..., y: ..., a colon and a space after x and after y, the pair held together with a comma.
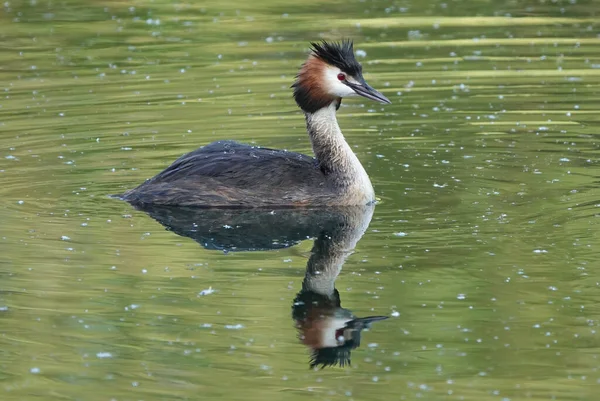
x: 334, y: 154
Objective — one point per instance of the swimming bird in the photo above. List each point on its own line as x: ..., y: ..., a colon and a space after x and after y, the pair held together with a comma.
x: 231, y: 174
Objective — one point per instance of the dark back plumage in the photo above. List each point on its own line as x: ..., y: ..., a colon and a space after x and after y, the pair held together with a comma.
x: 226, y: 173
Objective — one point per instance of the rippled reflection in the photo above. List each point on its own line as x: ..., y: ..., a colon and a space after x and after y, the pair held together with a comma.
x: 328, y: 330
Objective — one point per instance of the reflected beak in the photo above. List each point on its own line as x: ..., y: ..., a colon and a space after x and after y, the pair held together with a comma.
x: 354, y: 327
x: 365, y: 90
x: 364, y: 322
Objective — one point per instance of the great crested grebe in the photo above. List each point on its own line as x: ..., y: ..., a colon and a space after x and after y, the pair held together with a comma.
x: 230, y: 174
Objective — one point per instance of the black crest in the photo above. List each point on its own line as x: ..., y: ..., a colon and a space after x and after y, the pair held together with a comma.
x: 340, y: 55
x: 332, y: 356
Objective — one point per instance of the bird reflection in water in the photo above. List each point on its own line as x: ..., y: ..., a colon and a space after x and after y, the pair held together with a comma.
x: 328, y: 330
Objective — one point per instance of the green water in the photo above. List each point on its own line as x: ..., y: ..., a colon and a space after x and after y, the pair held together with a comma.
x: 483, y: 249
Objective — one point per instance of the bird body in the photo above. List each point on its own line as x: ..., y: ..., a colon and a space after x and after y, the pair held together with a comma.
x: 230, y: 174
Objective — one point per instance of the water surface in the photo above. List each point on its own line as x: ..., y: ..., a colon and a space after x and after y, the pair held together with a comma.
x: 482, y: 250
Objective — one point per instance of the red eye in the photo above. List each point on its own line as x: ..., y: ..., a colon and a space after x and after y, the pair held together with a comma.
x: 341, y: 76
